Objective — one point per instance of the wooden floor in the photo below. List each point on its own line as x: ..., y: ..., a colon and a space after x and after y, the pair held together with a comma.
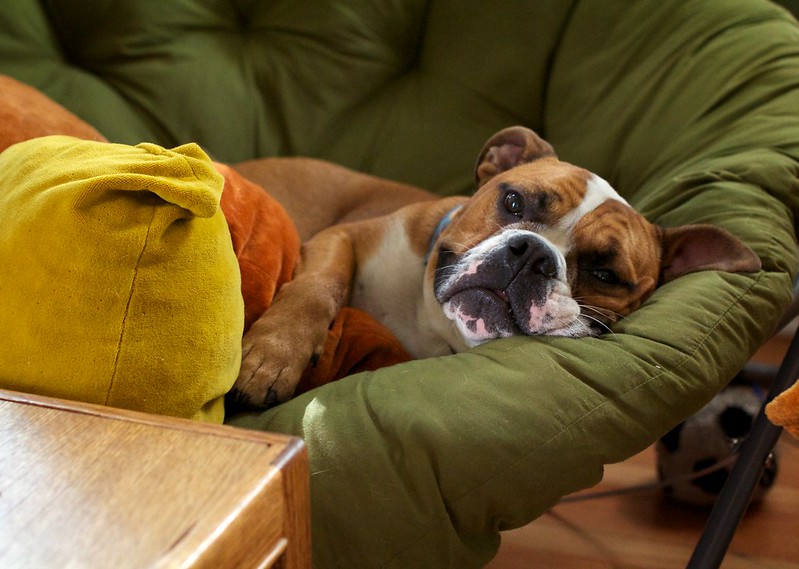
x: 646, y: 531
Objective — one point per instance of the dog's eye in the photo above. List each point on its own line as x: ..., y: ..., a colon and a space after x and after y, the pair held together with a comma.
x: 514, y: 204
x: 606, y: 276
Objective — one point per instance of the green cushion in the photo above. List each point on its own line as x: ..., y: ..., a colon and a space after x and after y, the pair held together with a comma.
x: 691, y: 110
x: 317, y: 78
x: 119, y: 284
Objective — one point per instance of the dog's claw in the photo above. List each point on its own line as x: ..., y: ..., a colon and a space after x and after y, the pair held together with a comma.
x: 236, y: 398
x: 271, y: 398
x: 276, y: 350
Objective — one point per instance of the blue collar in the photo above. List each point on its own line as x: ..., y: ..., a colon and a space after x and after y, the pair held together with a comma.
x: 442, y: 225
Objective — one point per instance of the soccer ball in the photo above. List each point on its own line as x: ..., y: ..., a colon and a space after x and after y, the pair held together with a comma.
x: 706, y: 439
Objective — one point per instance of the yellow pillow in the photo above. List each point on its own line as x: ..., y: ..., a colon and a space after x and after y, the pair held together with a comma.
x: 118, y: 281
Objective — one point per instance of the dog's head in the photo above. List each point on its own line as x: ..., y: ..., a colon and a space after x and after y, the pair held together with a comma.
x: 547, y: 248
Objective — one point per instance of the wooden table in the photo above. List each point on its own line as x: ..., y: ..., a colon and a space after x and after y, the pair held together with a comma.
x: 89, y: 486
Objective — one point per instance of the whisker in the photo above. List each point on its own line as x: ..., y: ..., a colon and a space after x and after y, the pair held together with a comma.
x: 599, y: 322
x: 606, y: 312
x: 602, y: 312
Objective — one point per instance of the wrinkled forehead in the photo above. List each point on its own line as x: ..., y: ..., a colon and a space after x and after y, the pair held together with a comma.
x: 599, y: 211
x: 556, y: 196
x: 564, y: 191
x: 596, y: 192
x: 614, y: 234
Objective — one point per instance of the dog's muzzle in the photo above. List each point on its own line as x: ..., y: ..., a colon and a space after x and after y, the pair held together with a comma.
x: 510, y: 284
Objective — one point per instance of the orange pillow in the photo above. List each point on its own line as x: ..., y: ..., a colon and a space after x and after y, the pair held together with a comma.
x: 26, y: 113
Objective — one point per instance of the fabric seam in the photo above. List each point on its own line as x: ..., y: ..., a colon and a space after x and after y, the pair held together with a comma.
x: 127, y: 306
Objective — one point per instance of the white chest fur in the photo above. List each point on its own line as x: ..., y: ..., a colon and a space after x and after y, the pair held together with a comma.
x: 389, y: 285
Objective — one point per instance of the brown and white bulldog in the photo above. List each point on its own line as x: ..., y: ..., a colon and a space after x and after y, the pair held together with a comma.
x: 542, y: 248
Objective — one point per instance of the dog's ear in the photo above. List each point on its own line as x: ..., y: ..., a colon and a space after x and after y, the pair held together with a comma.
x: 508, y: 148
x: 693, y: 248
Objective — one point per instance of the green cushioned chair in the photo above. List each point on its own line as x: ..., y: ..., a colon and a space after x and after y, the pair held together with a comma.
x: 690, y: 109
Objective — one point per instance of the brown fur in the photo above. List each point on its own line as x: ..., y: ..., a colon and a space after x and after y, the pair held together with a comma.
x: 319, y: 194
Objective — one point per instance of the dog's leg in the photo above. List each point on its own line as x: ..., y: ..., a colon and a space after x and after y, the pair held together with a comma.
x: 291, y: 334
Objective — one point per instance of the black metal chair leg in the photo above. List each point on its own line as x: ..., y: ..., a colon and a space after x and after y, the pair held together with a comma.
x: 734, y: 498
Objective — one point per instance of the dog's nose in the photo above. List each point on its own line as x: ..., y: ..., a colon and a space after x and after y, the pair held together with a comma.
x: 524, y: 250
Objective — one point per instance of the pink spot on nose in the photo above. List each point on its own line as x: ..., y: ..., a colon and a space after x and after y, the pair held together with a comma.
x: 472, y: 268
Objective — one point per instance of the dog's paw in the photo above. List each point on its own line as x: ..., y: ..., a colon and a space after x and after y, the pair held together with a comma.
x: 274, y: 358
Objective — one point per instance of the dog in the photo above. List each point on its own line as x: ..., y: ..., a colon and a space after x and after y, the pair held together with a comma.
x: 543, y: 247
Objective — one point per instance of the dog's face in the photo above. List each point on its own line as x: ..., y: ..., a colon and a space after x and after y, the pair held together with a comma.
x: 545, y: 247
